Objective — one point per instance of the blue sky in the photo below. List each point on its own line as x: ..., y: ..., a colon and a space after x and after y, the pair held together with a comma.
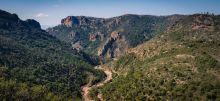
x: 50, y: 12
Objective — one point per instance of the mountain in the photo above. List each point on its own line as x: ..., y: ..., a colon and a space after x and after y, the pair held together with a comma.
x: 93, y: 35
x: 36, y: 66
x: 181, y: 63
x: 155, y: 58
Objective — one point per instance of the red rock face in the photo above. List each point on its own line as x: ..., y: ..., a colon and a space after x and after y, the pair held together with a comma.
x: 114, y: 35
x: 67, y: 21
x: 70, y: 21
x: 108, y: 44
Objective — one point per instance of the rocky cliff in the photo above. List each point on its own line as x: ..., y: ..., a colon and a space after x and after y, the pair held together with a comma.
x: 94, y: 34
x: 108, y: 44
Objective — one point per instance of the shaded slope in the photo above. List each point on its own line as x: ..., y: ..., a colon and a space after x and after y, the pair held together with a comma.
x: 37, y: 66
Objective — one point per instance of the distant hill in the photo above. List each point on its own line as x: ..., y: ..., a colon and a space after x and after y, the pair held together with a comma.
x: 181, y: 63
x: 93, y: 34
x: 46, y: 26
x: 35, y: 66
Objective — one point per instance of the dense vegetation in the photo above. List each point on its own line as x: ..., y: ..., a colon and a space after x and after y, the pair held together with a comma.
x: 180, y: 64
x: 36, y: 66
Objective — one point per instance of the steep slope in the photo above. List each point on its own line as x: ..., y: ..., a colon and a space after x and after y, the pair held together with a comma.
x: 37, y: 66
x: 91, y: 34
x: 182, y: 63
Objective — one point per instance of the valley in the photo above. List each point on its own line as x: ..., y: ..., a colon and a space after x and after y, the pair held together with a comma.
x: 123, y: 58
x: 174, y: 65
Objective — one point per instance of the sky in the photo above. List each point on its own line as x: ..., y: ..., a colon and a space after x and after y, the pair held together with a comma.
x: 50, y: 12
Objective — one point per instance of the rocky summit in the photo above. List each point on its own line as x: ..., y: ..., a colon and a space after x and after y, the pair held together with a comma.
x: 11, y: 21
x: 71, y: 21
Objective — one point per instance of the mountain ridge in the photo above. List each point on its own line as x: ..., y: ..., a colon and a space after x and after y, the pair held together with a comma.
x: 90, y: 33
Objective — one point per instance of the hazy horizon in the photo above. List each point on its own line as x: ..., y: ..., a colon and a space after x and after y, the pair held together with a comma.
x: 50, y: 12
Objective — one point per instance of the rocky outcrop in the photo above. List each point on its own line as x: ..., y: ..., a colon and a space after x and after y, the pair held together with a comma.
x: 108, y: 45
x: 71, y: 21
x: 203, y: 22
x: 77, y: 46
x: 94, y: 37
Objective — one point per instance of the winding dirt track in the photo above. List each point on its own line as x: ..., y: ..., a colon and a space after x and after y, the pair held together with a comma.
x: 88, y: 86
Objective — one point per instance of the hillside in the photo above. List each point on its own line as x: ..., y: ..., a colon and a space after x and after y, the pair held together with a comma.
x: 182, y: 63
x: 35, y: 66
x: 92, y: 35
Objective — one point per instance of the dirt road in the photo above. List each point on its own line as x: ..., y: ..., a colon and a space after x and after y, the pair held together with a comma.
x: 86, y: 88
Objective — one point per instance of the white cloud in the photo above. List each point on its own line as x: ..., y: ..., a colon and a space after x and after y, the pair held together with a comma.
x: 41, y: 15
